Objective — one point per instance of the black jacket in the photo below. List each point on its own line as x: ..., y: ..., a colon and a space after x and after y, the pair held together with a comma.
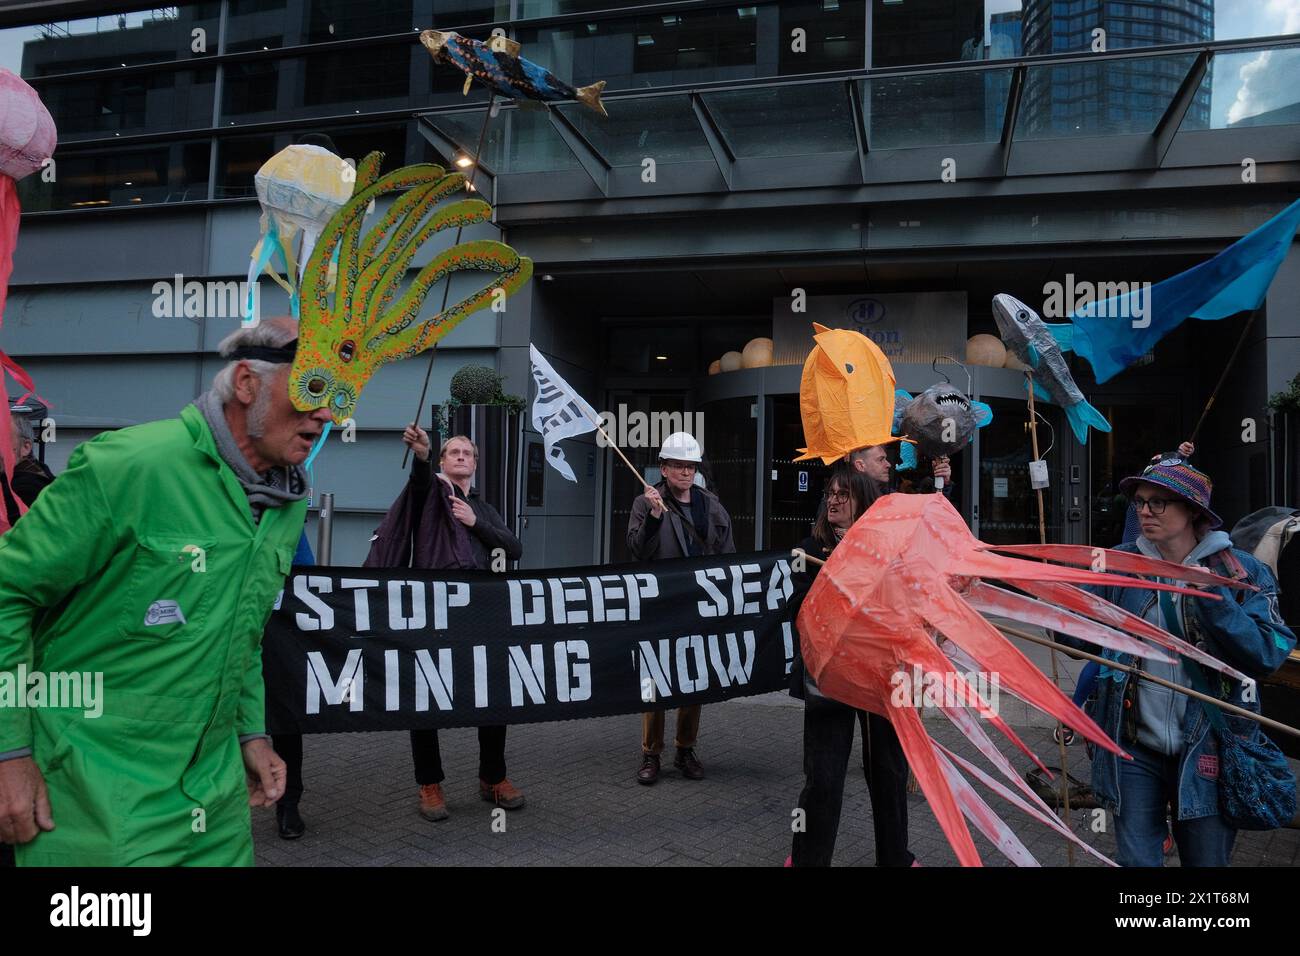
x: 651, y: 539
x: 802, y: 582
x: 30, y: 479
x: 489, y: 531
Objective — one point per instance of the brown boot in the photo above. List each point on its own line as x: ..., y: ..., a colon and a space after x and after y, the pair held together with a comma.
x: 432, y: 804
x: 689, y: 764
x: 503, y: 794
x: 649, y: 771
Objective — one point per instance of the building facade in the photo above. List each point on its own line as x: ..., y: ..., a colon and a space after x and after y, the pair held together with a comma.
x: 892, y: 164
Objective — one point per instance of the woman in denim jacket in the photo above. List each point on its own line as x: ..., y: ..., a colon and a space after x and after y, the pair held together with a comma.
x: 1175, y: 754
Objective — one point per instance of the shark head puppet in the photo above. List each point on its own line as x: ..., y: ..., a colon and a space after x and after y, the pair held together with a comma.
x: 941, y: 421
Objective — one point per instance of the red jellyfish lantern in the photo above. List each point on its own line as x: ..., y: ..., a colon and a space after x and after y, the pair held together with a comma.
x: 27, y: 140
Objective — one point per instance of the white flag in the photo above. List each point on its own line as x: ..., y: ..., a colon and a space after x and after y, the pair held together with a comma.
x: 558, y: 412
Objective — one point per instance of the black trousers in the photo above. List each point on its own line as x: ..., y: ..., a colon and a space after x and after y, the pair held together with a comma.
x: 827, y: 744
x: 289, y: 747
x: 428, y: 758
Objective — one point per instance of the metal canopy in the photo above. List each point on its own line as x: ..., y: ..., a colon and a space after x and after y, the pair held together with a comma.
x: 1056, y: 115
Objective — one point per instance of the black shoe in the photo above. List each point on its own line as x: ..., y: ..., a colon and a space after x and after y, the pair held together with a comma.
x: 689, y: 764
x: 291, y: 825
x: 649, y: 771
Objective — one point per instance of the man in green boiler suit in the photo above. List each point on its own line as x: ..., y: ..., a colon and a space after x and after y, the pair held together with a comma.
x: 151, y: 564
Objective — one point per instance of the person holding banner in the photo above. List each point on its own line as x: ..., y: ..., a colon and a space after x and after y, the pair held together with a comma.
x: 457, y: 461
x: 673, y: 519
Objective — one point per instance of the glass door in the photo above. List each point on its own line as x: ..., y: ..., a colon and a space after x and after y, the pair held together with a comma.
x: 1008, y: 505
x: 794, y: 489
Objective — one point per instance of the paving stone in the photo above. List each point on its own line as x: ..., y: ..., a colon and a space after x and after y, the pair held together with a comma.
x: 585, y: 807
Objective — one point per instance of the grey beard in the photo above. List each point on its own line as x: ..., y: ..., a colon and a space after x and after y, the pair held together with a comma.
x: 259, y: 410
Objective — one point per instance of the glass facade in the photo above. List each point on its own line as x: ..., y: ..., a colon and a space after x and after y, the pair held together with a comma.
x: 935, y: 109
x: 134, y: 71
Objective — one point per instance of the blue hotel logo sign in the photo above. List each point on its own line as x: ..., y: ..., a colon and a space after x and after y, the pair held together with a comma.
x: 910, y: 327
x: 864, y: 313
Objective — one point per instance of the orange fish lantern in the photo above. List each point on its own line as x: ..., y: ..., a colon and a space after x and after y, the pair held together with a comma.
x: 846, y: 395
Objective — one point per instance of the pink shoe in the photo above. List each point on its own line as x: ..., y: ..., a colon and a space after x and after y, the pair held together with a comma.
x: 916, y: 862
x: 789, y: 861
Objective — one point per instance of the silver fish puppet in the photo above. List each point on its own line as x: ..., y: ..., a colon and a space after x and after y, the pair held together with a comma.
x: 1042, y: 347
x: 941, y: 421
x: 498, y: 66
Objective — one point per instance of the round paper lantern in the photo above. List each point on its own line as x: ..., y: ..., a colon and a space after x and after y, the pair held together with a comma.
x: 1014, y: 363
x: 27, y: 134
x: 731, y: 361
x: 715, y: 366
x: 757, y: 353
x: 985, y: 349
x: 300, y: 187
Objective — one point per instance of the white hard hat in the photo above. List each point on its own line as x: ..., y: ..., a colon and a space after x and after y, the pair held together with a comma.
x: 681, y: 446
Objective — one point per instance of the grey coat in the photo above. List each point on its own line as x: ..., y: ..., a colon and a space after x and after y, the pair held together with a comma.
x: 651, y: 540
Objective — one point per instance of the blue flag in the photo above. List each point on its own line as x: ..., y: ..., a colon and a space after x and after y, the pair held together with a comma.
x: 1114, y: 333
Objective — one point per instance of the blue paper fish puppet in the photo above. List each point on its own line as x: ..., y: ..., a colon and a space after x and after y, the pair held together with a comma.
x: 1041, y: 347
x: 941, y: 421
x: 508, y: 74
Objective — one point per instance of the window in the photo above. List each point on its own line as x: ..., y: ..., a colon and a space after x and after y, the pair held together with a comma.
x: 163, y: 173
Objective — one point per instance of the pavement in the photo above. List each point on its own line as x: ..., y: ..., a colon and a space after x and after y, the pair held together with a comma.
x: 585, y: 807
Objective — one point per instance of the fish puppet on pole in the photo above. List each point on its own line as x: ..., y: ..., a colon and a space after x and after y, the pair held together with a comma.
x: 1115, y: 332
x: 498, y: 65
x: 1038, y: 345
x: 27, y: 141
x: 941, y: 421
x: 846, y: 395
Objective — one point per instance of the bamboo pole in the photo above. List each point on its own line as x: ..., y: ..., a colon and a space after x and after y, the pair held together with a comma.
x: 1056, y: 677
x: 1143, y: 675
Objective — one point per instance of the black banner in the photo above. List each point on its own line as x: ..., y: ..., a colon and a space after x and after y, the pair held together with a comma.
x: 354, y: 649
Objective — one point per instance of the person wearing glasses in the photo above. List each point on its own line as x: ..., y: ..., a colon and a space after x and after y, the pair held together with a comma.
x: 828, y: 724
x: 1087, y: 681
x: 1169, y: 736
x: 676, y: 518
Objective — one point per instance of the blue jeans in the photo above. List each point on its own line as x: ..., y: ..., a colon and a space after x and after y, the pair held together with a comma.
x: 1148, y: 784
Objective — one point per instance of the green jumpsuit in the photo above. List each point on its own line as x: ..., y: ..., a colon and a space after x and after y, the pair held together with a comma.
x: 142, y: 563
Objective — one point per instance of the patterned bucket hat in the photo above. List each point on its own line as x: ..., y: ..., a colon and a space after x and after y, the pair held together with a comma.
x: 1189, y: 484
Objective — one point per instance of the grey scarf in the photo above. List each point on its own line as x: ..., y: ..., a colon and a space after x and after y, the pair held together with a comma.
x: 275, y: 488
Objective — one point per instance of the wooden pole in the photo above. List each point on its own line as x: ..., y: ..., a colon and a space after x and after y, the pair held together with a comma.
x: 1056, y: 677
x: 1143, y: 675
x: 1232, y: 360
x: 446, y: 288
